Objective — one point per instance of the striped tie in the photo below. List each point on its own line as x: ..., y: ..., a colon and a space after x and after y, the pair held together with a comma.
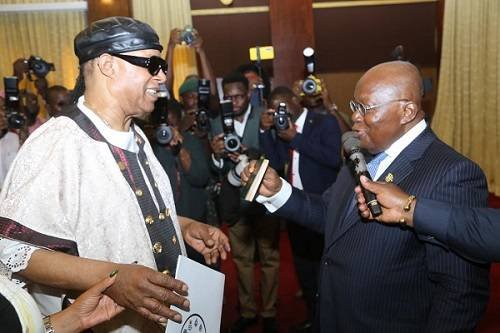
x: 372, y: 166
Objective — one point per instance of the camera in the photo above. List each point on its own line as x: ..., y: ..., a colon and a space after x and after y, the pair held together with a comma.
x: 15, y: 118
x: 281, y: 117
x: 232, y: 142
x: 233, y: 176
x: 311, y: 85
x: 188, y: 35
x: 163, y: 132
x: 39, y: 67
x: 202, y: 121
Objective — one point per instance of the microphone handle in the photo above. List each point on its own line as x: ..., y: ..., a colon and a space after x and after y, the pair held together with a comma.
x: 370, y: 197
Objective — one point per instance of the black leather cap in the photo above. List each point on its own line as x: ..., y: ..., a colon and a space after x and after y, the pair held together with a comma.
x: 115, y: 34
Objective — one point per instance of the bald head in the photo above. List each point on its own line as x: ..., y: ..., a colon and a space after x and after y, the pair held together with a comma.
x: 392, y: 95
x: 393, y: 80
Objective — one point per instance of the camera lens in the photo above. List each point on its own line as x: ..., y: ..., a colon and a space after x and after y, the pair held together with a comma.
x: 231, y: 143
x: 164, y: 134
x: 309, y: 86
x: 15, y: 120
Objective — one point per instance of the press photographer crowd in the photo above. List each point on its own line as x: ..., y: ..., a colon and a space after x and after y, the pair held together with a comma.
x: 105, y: 184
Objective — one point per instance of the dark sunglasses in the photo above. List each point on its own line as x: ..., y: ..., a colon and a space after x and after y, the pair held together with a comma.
x: 153, y: 64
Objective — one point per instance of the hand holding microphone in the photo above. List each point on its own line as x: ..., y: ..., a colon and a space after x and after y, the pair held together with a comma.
x: 351, y: 146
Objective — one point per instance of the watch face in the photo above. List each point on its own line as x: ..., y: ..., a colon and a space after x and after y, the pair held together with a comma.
x: 194, y: 324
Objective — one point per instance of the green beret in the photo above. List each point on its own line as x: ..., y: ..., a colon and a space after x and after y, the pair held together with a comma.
x: 188, y: 85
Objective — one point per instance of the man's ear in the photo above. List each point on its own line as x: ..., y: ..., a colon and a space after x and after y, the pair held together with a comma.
x: 107, y: 64
x: 410, y: 111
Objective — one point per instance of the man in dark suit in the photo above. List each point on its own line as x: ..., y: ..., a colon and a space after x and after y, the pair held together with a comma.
x: 309, y: 150
x: 473, y: 232
x: 249, y: 227
x: 379, y: 278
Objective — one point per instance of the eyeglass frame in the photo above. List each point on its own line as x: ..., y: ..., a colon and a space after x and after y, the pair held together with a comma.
x: 144, y: 62
x: 366, y: 108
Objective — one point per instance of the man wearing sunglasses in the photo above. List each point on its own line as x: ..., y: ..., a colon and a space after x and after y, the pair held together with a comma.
x: 88, y: 184
x: 381, y: 278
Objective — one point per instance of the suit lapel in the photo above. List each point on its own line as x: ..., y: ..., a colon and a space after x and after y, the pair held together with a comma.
x: 308, y: 123
x: 401, y: 168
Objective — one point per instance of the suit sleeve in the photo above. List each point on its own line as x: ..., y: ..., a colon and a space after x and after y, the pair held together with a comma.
x: 473, y: 232
x: 460, y: 287
x: 307, y: 209
x: 325, y: 148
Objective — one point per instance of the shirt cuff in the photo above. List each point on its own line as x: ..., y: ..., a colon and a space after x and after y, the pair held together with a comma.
x: 277, y: 201
x: 431, y: 218
x: 218, y: 163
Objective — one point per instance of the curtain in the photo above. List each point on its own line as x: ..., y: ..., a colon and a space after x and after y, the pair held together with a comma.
x: 45, y: 34
x: 163, y: 16
x: 467, y: 113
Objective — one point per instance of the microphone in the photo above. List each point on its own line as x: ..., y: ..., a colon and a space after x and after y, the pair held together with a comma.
x: 351, y: 146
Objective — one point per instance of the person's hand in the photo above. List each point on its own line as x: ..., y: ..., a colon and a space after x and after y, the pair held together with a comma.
x: 177, y: 137
x: 20, y: 67
x: 197, y: 43
x: 150, y: 293
x: 89, y: 309
x: 175, y: 37
x: 289, y: 133
x: 390, y: 197
x: 234, y: 156
x: 188, y: 121
x: 209, y: 241
x: 217, y: 145
x: 267, y: 119
x: 271, y: 183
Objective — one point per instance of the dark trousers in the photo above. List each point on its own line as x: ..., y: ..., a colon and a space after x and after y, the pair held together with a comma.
x: 307, y: 247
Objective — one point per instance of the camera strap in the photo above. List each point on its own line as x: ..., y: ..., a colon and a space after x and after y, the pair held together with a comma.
x: 159, y: 224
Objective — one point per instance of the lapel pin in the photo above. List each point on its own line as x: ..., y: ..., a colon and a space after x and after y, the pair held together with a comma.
x: 389, y: 178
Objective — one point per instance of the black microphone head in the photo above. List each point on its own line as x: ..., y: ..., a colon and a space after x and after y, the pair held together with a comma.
x: 350, y: 141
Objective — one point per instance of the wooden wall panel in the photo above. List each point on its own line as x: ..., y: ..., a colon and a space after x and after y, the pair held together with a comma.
x: 356, y: 38
x: 227, y: 38
x: 204, y: 4
x: 98, y: 9
x: 292, y: 31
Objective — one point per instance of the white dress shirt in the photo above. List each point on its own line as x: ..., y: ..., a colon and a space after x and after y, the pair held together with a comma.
x: 295, y: 175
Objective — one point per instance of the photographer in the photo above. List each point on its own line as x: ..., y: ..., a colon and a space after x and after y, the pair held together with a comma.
x: 256, y: 77
x: 249, y: 229
x: 35, y: 69
x: 319, y: 101
x: 188, y: 90
x: 309, y: 150
x: 185, y: 162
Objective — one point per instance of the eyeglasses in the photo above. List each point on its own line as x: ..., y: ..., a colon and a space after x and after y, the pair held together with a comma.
x: 363, y: 109
x: 153, y: 64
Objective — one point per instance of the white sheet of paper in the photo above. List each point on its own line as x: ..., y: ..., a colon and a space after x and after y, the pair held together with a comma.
x: 206, y: 291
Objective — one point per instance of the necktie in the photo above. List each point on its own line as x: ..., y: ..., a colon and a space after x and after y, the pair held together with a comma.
x: 372, y: 166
